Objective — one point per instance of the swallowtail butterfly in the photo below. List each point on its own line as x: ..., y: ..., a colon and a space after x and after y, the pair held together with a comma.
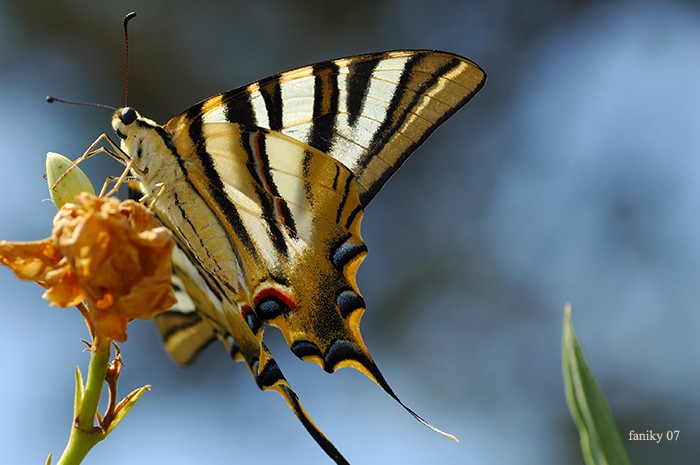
x: 264, y: 188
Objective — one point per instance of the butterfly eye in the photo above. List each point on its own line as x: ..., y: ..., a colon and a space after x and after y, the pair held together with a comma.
x: 128, y: 115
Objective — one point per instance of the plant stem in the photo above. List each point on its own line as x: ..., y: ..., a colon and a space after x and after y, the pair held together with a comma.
x: 84, y: 434
x: 97, y: 370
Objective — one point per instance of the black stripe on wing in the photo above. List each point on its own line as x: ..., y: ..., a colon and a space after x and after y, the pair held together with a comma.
x: 359, y: 78
x: 240, y: 109
x: 272, y: 94
x: 273, y: 208
x: 325, y: 106
x: 216, y: 186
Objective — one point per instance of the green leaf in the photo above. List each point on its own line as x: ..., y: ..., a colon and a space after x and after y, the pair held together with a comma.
x: 125, y: 405
x: 79, y: 388
x: 600, y: 440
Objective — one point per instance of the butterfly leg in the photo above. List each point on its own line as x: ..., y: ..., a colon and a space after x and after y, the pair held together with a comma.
x: 93, y: 149
x: 150, y: 200
x: 116, y: 181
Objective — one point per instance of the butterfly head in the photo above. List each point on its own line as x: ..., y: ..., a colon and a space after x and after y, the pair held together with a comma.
x: 137, y: 136
x: 122, y: 120
x: 128, y: 115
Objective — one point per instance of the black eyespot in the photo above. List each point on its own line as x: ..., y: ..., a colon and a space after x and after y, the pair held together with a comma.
x: 270, y: 307
x: 128, y: 115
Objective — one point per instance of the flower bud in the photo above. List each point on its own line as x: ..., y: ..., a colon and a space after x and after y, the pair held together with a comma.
x: 71, y: 185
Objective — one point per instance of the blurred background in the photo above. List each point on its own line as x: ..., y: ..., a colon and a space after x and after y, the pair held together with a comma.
x: 574, y: 176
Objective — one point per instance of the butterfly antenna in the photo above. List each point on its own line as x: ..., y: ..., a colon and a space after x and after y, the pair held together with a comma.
x: 127, y: 18
x: 51, y: 99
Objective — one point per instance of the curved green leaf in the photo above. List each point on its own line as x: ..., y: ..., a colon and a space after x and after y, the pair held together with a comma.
x: 600, y: 440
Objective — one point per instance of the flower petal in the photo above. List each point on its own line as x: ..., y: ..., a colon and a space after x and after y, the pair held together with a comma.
x: 42, y: 262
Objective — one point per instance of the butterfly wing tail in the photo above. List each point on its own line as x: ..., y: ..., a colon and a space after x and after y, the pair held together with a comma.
x: 369, y: 368
x: 320, y: 438
x: 356, y: 355
x: 268, y: 376
x: 180, y: 330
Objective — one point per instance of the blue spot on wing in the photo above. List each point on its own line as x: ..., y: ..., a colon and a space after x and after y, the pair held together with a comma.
x: 349, y: 301
x: 346, y: 251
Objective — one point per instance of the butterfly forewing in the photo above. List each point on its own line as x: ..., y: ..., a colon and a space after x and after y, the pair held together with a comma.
x: 369, y: 111
x: 264, y: 188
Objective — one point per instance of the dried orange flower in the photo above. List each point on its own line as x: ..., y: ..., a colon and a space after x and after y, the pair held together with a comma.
x: 113, y: 254
x: 41, y: 261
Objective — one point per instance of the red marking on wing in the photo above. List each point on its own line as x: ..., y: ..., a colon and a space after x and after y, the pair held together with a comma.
x: 274, y: 292
x: 245, y: 310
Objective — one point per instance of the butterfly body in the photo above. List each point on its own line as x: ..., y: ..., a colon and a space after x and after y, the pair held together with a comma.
x: 264, y: 188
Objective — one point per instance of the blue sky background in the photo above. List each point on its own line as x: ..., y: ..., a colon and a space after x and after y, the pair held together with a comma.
x: 574, y: 176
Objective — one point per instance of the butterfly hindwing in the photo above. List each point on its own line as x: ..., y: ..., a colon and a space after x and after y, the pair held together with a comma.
x: 301, y: 212
x: 190, y: 326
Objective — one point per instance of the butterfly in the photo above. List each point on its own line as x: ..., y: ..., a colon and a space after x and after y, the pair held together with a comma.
x: 264, y: 188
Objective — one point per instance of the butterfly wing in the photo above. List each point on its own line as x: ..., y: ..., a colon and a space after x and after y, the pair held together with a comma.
x: 370, y: 112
